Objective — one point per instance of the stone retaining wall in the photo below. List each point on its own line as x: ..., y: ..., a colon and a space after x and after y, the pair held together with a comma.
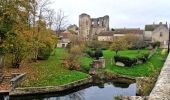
x: 48, y: 89
x: 161, y: 91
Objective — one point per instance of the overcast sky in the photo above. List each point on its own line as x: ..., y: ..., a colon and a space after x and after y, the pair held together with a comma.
x: 122, y: 13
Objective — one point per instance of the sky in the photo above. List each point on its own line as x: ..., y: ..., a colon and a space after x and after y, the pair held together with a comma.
x: 122, y: 13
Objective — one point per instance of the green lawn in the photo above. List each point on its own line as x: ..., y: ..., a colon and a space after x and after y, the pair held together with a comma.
x: 50, y: 72
x: 85, y: 62
x: 154, y: 63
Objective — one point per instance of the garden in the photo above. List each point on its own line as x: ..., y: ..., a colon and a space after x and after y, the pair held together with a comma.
x: 70, y: 64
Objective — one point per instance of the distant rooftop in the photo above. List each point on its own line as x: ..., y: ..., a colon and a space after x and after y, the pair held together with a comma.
x: 106, y: 33
x: 152, y: 27
x: 128, y: 31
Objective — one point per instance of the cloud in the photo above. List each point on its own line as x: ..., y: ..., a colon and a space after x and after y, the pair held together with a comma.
x: 123, y: 13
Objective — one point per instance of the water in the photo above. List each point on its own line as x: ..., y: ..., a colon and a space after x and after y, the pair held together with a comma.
x: 106, y: 91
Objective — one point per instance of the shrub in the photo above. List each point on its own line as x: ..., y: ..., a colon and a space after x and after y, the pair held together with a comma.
x: 126, y: 60
x: 98, y: 54
x: 155, y: 44
x: 144, y: 57
x: 131, y: 61
x: 90, y: 53
x: 44, y: 52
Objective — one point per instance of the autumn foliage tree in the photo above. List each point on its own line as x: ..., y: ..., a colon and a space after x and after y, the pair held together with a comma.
x: 119, y: 44
x: 23, y: 29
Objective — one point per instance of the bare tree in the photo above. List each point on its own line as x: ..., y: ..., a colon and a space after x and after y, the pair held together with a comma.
x: 50, y: 18
x: 60, y: 22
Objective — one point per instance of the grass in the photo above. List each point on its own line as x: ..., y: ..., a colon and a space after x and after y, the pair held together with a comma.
x: 51, y: 73
x: 85, y: 61
x: 155, y: 63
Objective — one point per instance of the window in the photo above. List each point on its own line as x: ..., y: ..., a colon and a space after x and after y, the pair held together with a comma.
x: 161, y: 34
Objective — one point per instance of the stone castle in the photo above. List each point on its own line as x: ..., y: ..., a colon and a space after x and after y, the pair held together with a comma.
x: 91, y: 27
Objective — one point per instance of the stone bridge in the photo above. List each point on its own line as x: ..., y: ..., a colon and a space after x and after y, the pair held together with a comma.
x: 161, y: 91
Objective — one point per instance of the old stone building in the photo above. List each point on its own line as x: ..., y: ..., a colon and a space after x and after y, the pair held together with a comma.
x: 107, y: 36
x: 157, y: 32
x: 89, y: 27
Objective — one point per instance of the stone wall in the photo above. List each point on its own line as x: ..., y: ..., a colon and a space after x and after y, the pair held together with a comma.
x: 50, y: 89
x: 161, y: 91
x: 90, y: 27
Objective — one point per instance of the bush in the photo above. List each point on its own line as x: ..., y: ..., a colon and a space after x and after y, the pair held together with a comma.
x: 44, y: 52
x: 98, y: 54
x: 95, y: 54
x: 155, y: 44
x: 143, y: 58
x: 126, y: 60
x: 131, y: 61
x: 90, y: 53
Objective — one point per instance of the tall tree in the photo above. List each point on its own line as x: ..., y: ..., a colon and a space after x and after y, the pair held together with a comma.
x: 60, y: 22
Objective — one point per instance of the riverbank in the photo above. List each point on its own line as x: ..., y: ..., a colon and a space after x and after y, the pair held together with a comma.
x: 50, y: 89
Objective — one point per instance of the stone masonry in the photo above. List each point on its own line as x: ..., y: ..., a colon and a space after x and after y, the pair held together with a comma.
x: 161, y: 91
x: 91, y: 27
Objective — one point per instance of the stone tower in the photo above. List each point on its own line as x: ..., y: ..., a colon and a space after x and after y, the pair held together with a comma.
x: 84, y: 25
x: 91, y: 27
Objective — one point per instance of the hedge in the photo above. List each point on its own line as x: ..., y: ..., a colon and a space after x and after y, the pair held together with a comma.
x: 131, y: 61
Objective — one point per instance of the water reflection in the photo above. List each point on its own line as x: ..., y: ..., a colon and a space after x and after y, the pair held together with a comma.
x: 103, y: 92
x: 4, y: 97
x: 73, y: 96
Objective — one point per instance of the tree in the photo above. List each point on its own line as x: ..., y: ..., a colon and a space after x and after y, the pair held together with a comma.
x: 23, y: 29
x: 60, y: 22
x: 133, y: 40
x: 14, y: 23
x: 119, y: 44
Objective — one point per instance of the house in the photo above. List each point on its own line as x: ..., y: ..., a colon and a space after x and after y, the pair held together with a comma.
x: 63, y: 39
x: 124, y: 31
x: 157, y: 33
x: 106, y: 36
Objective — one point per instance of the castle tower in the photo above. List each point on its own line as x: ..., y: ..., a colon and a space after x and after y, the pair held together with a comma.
x: 89, y: 28
x: 84, y: 25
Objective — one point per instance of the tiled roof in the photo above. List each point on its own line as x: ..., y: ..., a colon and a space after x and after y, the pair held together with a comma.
x: 128, y: 31
x: 106, y: 33
x: 65, y: 34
